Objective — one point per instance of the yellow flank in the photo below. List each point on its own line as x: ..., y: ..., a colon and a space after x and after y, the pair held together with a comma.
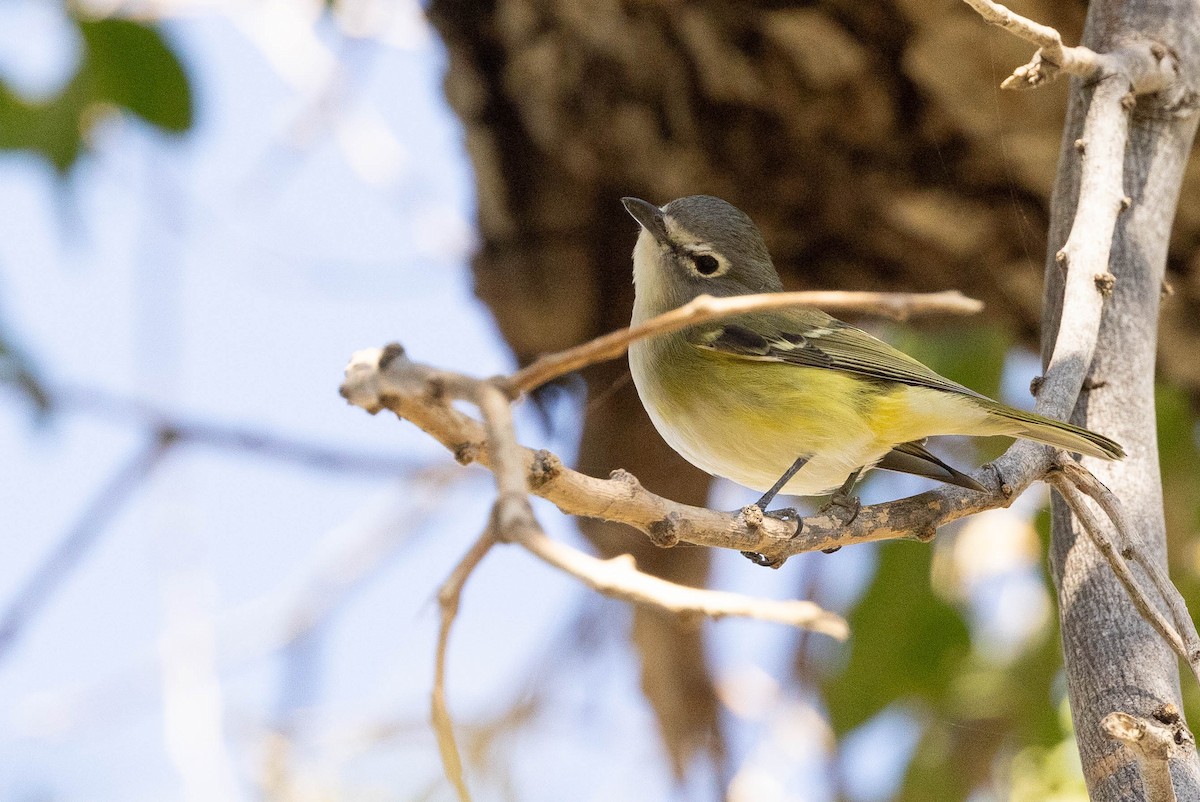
x: 905, y: 413
x: 763, y: 415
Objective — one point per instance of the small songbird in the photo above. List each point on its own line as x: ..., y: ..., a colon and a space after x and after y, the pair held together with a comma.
x: 791, y: 401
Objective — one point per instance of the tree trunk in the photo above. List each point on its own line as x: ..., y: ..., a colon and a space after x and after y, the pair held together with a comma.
x: 1114, y: 660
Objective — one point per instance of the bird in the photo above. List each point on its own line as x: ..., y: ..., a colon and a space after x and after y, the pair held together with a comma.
x: 792, y: 400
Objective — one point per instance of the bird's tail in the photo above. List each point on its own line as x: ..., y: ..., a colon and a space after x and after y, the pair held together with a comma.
x: 1041, y: 429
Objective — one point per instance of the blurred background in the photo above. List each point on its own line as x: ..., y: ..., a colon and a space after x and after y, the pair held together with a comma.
x: 217, y: 580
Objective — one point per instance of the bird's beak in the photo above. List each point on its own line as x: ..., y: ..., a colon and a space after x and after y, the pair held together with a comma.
x: 649, y: 216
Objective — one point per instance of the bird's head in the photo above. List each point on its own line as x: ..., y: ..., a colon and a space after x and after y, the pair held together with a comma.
x: 698, y: 245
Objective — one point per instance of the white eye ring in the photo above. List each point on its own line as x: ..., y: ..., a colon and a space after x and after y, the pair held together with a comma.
x: 707, y: 265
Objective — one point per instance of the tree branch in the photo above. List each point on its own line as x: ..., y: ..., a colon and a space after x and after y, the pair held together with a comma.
x: 449, y: 596
x: 1131, y: 546
x: 1153, y: 742
x: 1147, y: 66
x: 513, y: 521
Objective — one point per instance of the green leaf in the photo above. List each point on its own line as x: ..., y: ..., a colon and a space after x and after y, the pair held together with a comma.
x: 131, y: 65
x: 51, y: 128
x: 970, y: 355
x: 125, y: 64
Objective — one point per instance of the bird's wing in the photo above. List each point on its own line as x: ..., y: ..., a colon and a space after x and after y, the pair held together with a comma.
x: 813, y: 339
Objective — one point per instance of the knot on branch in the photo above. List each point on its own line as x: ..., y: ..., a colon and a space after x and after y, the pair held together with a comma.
x: 1166, y: 713
x: 466, y: 453
x: 1153, y: 740
x: 545, y: 468
x: 1105, y: 283
x: 625, y: 477
x: 664, y: 532
x: 752, y: 516
x: 1006, y: 489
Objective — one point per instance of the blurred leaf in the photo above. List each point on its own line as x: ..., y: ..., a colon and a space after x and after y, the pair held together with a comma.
x: 907, y: 641
x: 125, y: 64
x: 910, y: 646
x: 130, y: 64
x: 51, y: 128
x: 1179, y: 461
x: 970, y: 355
x: 951, y: 761
x: 1048, y: 773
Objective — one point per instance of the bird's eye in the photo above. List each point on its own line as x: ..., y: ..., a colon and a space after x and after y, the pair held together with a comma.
x: 706, y: 264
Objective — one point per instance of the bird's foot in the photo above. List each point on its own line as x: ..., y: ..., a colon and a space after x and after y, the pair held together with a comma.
x: 850, y: 506
x: 753, y: 516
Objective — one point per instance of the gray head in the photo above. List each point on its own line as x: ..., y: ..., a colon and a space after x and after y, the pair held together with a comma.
x: 693, y: 246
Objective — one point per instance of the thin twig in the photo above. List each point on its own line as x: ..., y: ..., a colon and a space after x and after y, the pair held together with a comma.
x: 49, y: 575
x: 1132, y: 547
x: 1052, y: 55
x: 618, y: 577
x: 1098, y: 533
x: 449, y: 595
x: 899, y: 306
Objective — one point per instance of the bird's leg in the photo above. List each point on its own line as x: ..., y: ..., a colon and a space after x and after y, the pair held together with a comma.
x: 769, y: 496
x: 843, y: 497
x: 786, y: 514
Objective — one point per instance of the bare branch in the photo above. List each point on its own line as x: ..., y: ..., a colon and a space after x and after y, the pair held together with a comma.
x: 1099, y: 535
x: 899, y: 306
x: 1147, y: 67
x: 449, y: 595
x: 1043, y: 36
x: 1153, y: 742
x: 1132, y: 547
x: 1085, y: 254
x: 384, y: 378
x: 618, y: 577
x: 513, y: 521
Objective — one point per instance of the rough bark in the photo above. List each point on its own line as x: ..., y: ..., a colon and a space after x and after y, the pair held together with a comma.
x: 1114, y: 660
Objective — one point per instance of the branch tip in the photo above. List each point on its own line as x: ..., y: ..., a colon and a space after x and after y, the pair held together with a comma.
x: 391, y: 352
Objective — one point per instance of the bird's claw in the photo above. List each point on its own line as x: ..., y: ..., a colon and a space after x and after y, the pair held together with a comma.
x: 754, y: 514
x: 763, y: 560
x: 849, y: 503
